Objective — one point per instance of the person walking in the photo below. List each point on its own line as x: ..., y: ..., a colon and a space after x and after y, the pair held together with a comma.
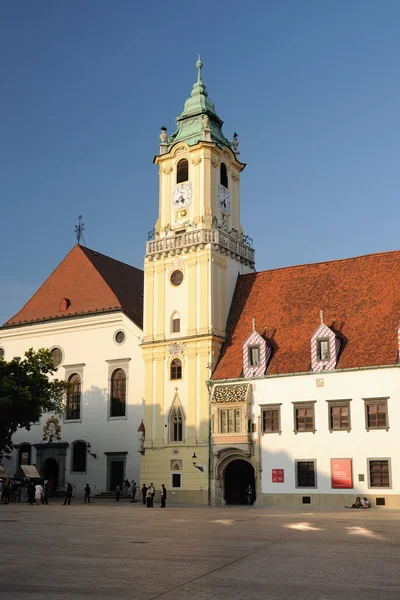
x: 46, y: 493
x: 163, y: 496
x: 38, y: 493
x: 31, y: 492
x: 68, y: 495
x: 144, y: 493
x: 87, y: 491
x: 134, y: 488
x: 117, y: 493
x: 249, y: 494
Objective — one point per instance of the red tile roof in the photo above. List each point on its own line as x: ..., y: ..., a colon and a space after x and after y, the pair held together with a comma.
x: 92, y: 282
x: 360, y: 299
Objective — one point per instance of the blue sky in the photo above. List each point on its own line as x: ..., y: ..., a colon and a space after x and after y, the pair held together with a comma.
x: 312, y: 87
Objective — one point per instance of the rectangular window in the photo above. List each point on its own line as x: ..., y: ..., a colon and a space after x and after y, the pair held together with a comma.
x: 271, y: 418
x: 230, y: 420
x: 305, y: 474
x: 304, y: 416
x: 323, y: 351
x: 376, y: 413
x: 379, y: 473
x: 176, y: 325
x: 254, y: 356
x: 176, y: 480
x: 339, y: 415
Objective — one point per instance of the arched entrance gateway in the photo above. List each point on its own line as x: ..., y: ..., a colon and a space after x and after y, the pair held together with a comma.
x: 233, y: 471
x: 238, y: 475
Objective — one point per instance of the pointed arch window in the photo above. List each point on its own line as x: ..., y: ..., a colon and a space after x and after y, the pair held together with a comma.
x: 118, y: 394
x: 73, y: 406
x: 175, y: 323
x: 79, y: 454
x: 176, y: 425
x: 182, y: 171
x: 176, y: 369
x: 223, y: 175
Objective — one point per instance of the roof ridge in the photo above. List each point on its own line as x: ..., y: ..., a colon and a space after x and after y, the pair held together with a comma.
x: 96, y: 252
x: 323, y: 262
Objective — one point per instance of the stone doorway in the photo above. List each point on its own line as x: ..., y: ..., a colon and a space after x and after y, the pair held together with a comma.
x: 57, y: 451
x: 238, y: 475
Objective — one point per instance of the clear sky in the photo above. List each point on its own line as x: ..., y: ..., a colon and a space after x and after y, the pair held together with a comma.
x: 311, y: 86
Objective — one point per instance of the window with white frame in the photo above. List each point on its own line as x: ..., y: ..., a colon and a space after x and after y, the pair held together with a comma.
x: 254, y: 356
x: 323, y: 349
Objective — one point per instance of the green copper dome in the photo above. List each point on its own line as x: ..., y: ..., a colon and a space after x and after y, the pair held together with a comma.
x: 191, y: 122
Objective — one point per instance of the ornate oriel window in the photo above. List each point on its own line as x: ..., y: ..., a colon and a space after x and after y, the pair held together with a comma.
x: 230, y: 420
x: 79, y: 455
x: 223, y: 175
x: 182, y: 171
x: 118, y: 394
x: 176, y: 369
x: 73, y: 406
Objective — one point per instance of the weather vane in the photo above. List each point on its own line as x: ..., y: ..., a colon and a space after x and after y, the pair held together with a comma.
x: 79, y: 229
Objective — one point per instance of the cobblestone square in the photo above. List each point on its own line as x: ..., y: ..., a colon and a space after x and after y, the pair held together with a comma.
x: 109, y: 550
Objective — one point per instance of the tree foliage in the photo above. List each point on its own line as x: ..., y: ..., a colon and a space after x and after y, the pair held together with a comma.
x: 26, y: 392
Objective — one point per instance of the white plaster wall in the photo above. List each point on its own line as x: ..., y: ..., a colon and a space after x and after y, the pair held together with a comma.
x: 89, y: 340
x: 281, y: 451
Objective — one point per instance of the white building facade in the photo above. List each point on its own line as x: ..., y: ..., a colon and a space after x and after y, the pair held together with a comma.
x: 95, y: 441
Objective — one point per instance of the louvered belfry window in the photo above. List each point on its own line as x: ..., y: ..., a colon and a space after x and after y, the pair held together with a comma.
x: 182, y: 171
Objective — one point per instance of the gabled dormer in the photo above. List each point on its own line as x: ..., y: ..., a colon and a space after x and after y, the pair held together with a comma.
x: 256, y: 354
x: 325, y: 346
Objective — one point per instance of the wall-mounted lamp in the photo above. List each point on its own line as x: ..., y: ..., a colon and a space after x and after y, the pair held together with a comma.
x: 194, y: 459
x: 88, y: 448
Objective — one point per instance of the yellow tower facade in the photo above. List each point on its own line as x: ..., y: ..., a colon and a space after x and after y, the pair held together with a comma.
x: 191, y: 268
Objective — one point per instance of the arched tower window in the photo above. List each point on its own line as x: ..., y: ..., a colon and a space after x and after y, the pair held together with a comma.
x: 223, y: 175
x: 73, y: 407
x: 182, y: 171
x: 176, y: 423
x: 175, y: 323
x: 118, y: 394
x: 24, y: 454
x: 176, y: 369
x: 79, y: 454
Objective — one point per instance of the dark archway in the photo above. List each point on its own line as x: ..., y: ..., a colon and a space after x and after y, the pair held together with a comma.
x: 237, y: 476
x: 50, y: 472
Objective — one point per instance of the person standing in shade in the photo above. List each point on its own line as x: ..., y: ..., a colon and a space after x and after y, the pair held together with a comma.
x: 87, y: 491
x: 144, y: 493
x: 163, y: 496
x: 249, y: 494
x: 153, y: 493
x: 148, y: 498
x: 38, y: 493
x: 31, y: 492
x: 68, y: 495
x: 117, y: 493
x: 46, y: 493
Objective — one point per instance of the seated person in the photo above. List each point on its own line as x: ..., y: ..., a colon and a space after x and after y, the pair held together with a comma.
x: 357, y: 503
x: 365, y: 503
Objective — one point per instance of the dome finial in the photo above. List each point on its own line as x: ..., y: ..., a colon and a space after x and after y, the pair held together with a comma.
x: 199, y: 66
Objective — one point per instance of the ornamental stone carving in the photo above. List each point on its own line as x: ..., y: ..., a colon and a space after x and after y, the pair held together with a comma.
x: 52, y: 430
x: 167, y: 170
x: 181, y: 152
x: 196, y: 161
x: 215, y: 162
x: 176, y: 265
x: 175, y: 349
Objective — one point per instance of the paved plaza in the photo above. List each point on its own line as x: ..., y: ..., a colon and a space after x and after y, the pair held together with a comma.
x: 108, y: 550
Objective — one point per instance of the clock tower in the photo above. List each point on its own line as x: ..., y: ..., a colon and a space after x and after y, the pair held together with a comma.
x: 190, y: 272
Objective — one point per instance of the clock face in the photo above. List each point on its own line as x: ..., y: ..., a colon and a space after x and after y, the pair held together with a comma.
x: 224, y: 199
x: 182, y: 195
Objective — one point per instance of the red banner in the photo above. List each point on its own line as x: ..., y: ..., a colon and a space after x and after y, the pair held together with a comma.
x: 341, y: 473
x: 278, y: 475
